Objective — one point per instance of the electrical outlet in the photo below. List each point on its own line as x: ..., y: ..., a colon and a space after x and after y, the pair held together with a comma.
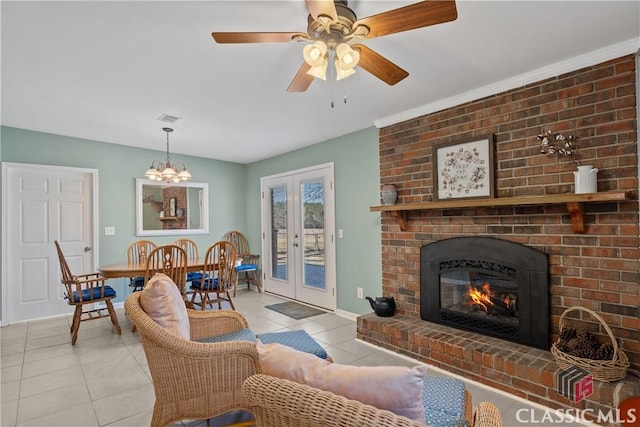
x: 360, y: 293
x: 109, y: 231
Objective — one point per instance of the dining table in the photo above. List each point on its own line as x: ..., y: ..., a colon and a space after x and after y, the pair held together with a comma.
x: 137, y: 269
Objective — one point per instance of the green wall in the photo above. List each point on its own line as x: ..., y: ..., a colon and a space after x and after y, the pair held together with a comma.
x: 234, y: 196
x: 357, y: 186
x: 118, y: 166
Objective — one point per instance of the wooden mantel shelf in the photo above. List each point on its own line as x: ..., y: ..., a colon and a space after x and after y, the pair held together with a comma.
x: 573, y: 201
x: 169, y: 218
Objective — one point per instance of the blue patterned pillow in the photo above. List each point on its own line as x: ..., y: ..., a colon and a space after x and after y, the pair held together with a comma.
x: 300, y: 340
x: 443, y: 400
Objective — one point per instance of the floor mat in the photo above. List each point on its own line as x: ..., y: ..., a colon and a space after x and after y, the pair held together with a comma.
x: 294, y: 309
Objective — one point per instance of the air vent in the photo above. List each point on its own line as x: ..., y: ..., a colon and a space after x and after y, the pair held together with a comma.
x: 168, y: 118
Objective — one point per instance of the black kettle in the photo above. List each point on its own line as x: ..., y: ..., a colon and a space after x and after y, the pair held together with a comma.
x: 383, y: 306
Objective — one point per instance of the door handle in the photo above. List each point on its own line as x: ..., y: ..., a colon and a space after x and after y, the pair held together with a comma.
x: 87, y: 249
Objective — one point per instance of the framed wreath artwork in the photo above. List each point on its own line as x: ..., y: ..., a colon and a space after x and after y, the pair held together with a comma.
x: 463, y: 170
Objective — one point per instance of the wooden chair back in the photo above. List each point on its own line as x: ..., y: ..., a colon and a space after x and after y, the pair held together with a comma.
x: 79, y: 288
x: 222, y: 256
x: 67, y: 279
x: 170, y: 260
x: 240, y: 241
x: 139, y: 250
x: 250, y: 261
x: 189, y: 247
x: 218, y: 273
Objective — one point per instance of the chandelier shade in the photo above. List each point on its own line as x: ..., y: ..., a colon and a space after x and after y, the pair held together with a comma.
x: 167, y: 171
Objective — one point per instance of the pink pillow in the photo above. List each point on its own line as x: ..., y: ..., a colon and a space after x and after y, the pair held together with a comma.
x: 395, y: 388
x: 162, y: 301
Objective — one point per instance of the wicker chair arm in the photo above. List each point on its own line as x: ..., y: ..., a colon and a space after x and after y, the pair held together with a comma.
x: 283, y: 403
x: 212, y: 323
x: 487, y: 414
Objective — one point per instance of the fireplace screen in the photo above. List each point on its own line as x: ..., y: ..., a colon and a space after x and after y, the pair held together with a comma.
x: 486, y: 285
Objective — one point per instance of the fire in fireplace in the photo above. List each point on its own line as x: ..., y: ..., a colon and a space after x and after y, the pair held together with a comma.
x: 487, y: 285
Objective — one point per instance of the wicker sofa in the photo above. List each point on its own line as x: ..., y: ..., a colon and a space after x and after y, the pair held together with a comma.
x: 278, y: 402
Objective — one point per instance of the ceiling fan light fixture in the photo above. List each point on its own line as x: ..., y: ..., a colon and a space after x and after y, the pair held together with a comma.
x: 320, y: 71
x: 314, y: 54
x: 342, y: 73
x: 346, y: 57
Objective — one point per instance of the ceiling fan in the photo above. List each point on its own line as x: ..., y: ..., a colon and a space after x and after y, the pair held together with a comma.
x: 333, y: 29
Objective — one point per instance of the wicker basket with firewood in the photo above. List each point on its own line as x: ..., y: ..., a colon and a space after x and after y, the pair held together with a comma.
x: 579, y: 347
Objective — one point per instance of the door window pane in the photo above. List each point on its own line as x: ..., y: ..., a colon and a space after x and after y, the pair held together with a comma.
x: 313, y: 234
x: 279, y: 261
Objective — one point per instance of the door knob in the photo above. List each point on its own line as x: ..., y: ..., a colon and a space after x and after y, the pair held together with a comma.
x: 87, y: 249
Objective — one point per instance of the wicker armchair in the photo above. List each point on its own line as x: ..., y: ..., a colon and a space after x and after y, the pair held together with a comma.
x: 195, y: 380
x: 281, y: 403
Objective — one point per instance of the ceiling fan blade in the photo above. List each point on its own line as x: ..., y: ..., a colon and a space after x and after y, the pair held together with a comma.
x: 302, y: 80
x: 322, y: 7
x: 257, y: 37
x: 379, y: 66
x: 417, y: 15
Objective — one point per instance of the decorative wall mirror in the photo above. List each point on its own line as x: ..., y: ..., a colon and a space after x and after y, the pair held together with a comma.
x: 166, y: 209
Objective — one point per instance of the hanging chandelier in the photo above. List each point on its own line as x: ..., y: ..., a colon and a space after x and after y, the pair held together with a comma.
x: 167, y: 171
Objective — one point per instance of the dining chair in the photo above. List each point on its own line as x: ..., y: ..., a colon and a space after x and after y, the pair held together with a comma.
x: 170, y: 260
x: 138, y: 252
x: 218, y: 274
x: 191, y: 249
x: 247, y: 270
x: 86, y: 289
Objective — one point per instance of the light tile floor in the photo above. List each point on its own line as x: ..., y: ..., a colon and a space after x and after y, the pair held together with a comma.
x: 104, y: 380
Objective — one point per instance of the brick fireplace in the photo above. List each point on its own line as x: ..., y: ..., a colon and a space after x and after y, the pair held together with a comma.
x: 491, y: 286
x: 597, y: 269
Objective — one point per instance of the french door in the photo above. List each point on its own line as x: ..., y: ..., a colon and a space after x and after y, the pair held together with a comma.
x: 298, y: 223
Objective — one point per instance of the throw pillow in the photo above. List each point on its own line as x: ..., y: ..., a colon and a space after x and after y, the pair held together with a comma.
x: 395, y: 388
x: 162, y: 301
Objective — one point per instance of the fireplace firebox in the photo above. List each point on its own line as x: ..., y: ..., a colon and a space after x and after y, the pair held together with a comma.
x: 487, y: 285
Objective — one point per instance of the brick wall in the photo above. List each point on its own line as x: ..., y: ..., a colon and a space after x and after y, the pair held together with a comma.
x: 598, y: 269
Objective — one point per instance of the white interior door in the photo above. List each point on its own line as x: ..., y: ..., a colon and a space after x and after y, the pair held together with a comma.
x: 43, y: 204
x: 298, y: 236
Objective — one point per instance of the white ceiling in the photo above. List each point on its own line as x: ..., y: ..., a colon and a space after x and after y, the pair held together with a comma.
x: 107, y: 70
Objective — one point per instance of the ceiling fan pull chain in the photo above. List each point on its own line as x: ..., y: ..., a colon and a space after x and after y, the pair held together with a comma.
x: 345, y: 95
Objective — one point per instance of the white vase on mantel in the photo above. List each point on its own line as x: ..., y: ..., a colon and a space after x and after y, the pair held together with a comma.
x: 389, y: 194
x: 586, y: 179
